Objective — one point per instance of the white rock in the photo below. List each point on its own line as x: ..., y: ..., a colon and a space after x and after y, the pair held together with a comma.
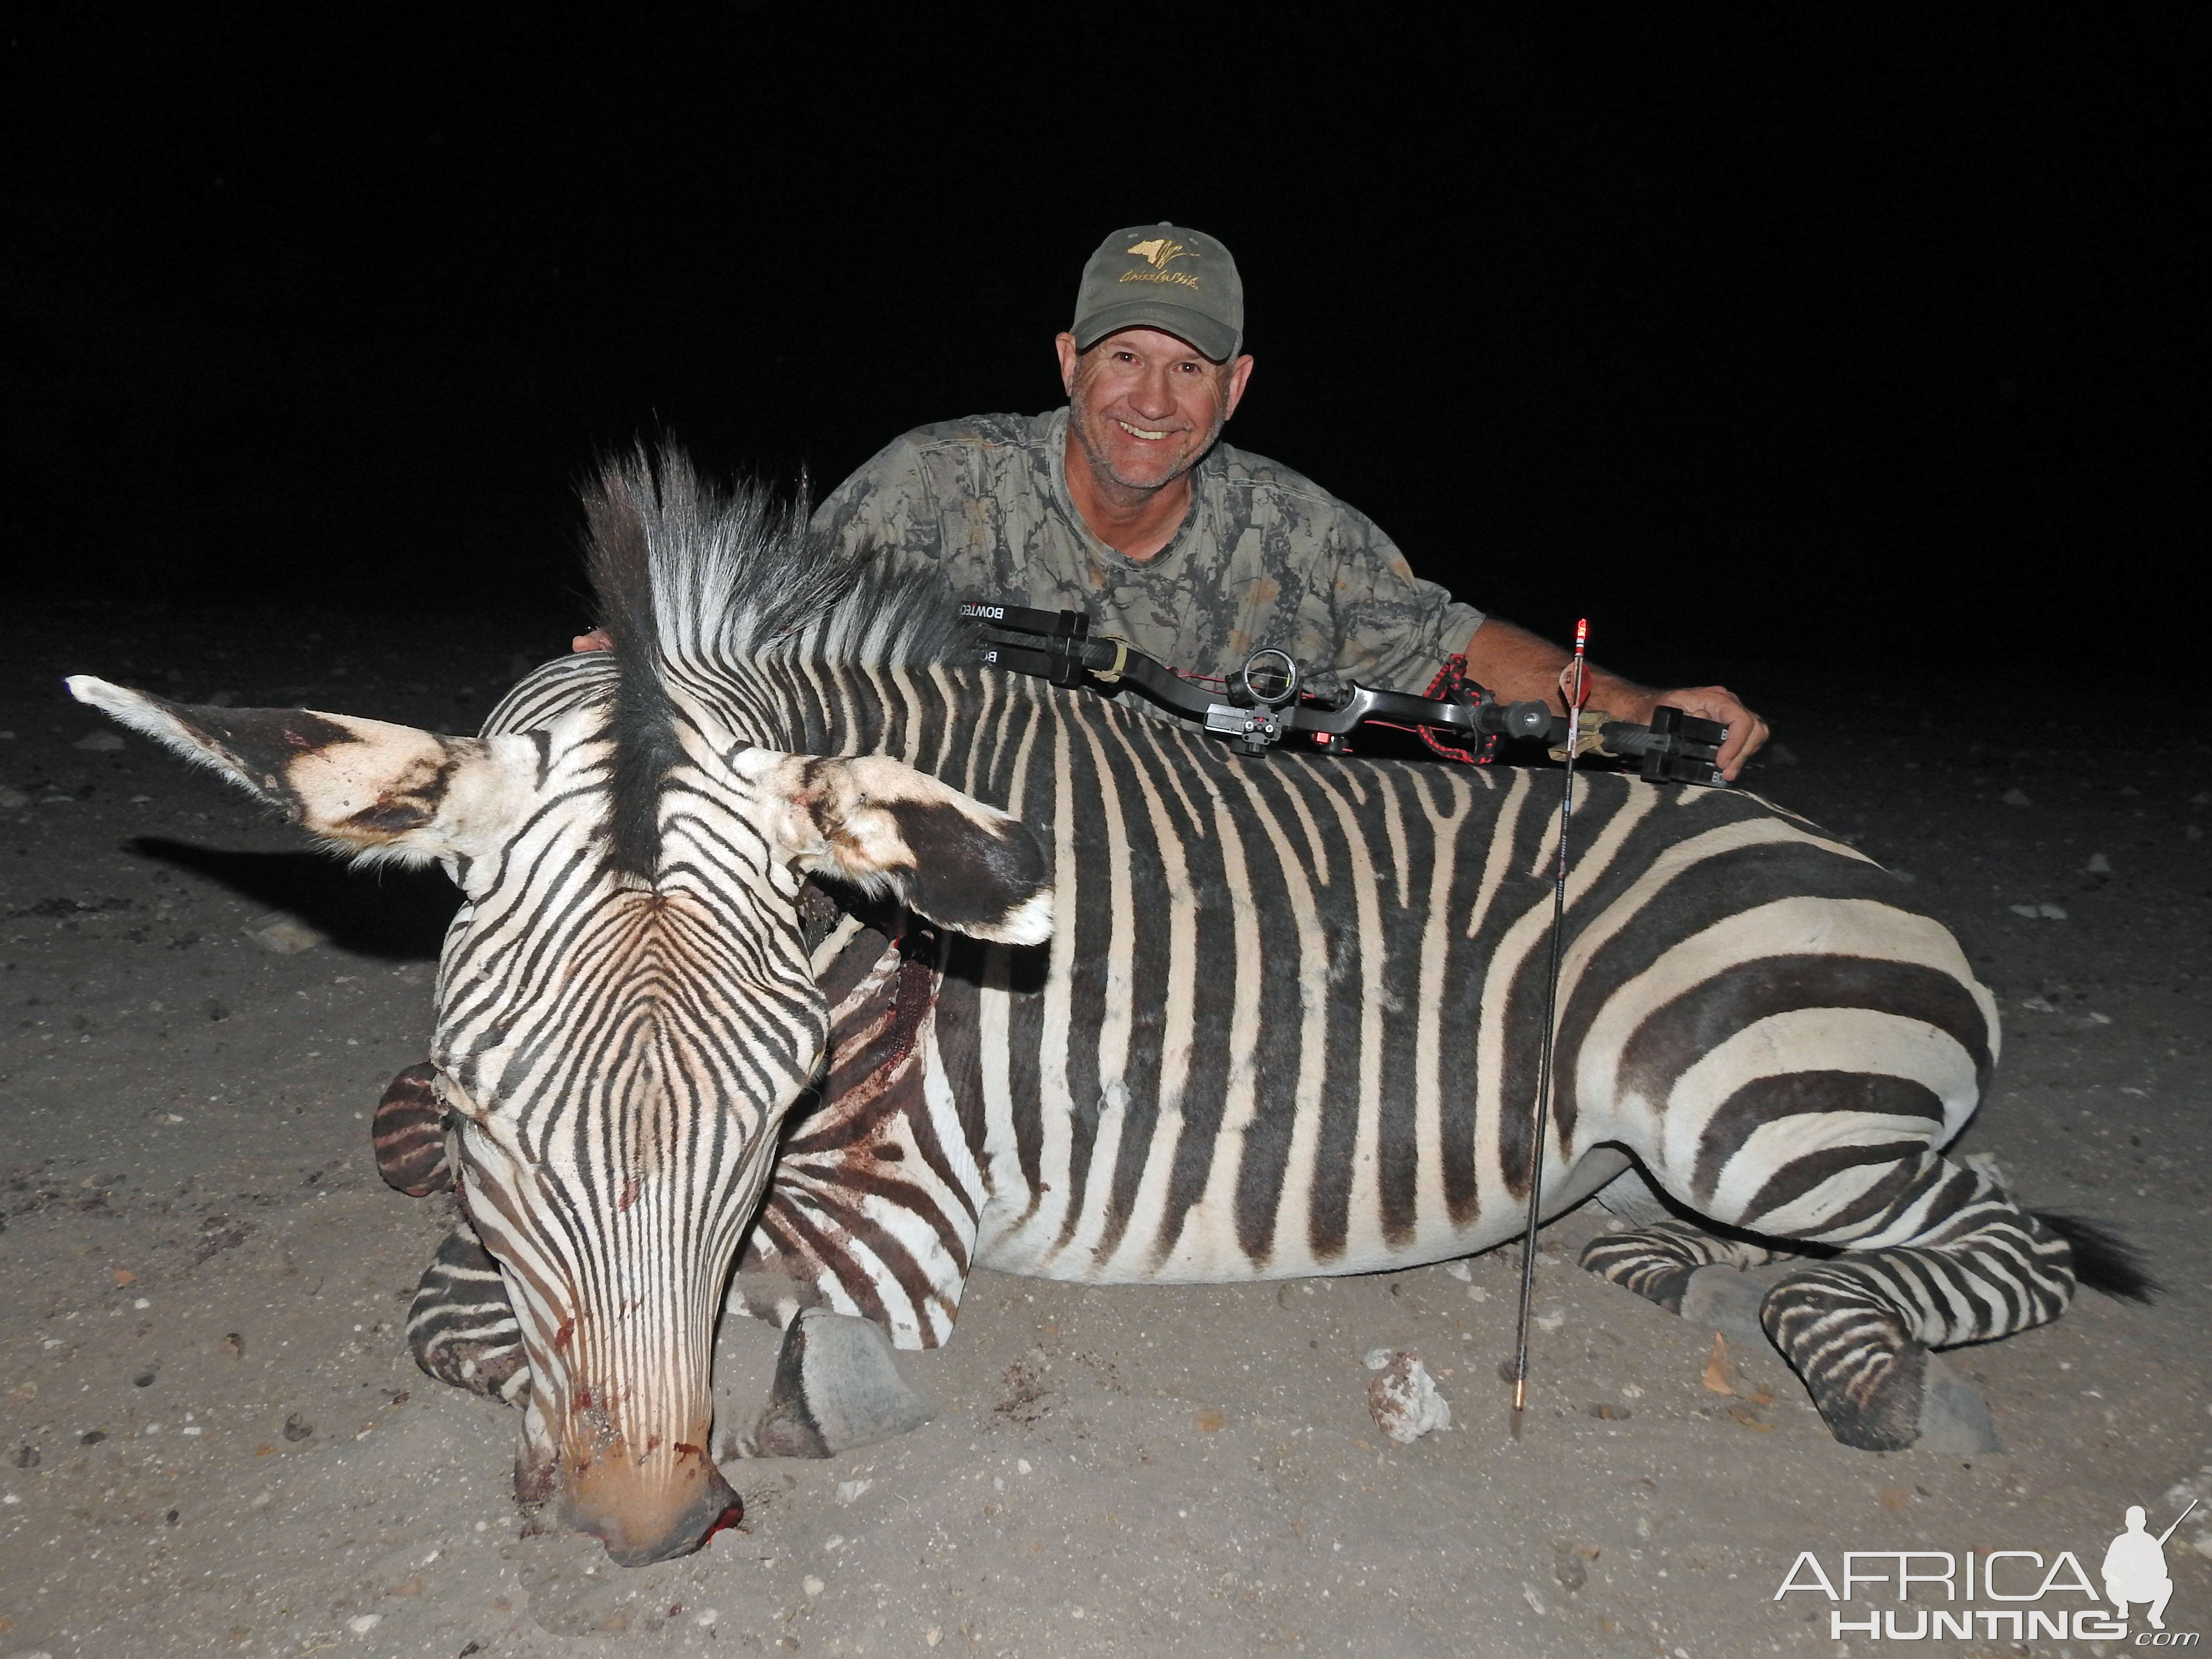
x: 706, y: 1616
x: 2027, y: 910
x: 1476, y: 1293
x: 1376, y: 1359
x: 2037, y: 1005
x: 1404, y: 1401
x: 1460, y: 1271
x: 99, y: 743
x: 2015, y: 797
x: 2051, y: 911
x: 282, y: 935
x: 366, y: 1623
x: 813, y: 1585
x: 848, y: 1490
x: 1551, y: 1321
x: 2099, y: 864
x: 933, y: 1635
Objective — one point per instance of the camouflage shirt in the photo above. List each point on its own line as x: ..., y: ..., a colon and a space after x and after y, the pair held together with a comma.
x: 1264, y: 558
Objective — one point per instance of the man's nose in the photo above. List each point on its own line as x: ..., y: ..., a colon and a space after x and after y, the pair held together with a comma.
x: 1153, y: 396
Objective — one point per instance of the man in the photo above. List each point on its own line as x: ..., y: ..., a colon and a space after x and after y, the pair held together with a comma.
x: 1126, y: 505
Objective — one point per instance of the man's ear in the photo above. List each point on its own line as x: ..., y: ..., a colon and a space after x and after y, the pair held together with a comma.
x: 366, y: 788
x: 884, y: 827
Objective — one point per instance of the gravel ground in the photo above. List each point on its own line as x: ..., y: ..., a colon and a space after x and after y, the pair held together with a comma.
x: 212, y: 1440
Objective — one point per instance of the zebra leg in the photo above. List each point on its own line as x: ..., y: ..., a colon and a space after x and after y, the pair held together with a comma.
x: 461, y: 1326
x: 1673, y: 1263
x: 1949, y: 1258
x: 837, y: 1386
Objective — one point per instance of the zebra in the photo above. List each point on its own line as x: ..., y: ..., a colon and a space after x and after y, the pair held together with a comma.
x: 1095, y: 1001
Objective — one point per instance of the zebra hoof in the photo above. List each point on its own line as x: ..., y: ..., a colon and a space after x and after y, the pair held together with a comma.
x: 835, y: 1387
x: 1722, y: 1299
x: 1954, y: 1419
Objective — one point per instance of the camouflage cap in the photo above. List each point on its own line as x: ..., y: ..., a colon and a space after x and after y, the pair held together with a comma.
x: 1181, y: 282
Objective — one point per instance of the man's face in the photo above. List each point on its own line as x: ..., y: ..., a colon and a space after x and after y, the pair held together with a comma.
x: 1145, y: 405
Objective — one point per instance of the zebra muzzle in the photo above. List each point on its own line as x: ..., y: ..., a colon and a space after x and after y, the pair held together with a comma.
x: 667, y: 1505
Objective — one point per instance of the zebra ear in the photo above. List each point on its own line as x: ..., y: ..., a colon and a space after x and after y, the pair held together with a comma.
x: 366, y: 788
x: 884, y: 826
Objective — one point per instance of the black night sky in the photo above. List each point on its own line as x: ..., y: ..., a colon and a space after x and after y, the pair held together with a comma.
x: 1753, y: 332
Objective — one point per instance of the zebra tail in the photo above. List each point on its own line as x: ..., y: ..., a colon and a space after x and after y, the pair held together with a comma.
x: 2102, y: 1259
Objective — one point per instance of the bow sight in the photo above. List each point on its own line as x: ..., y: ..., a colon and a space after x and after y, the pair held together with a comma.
x: 1264, y: 702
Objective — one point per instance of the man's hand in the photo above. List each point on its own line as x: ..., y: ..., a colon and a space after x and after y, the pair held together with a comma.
x: 1517, y: 664
x: 1746, y: 731
x: 597, y: 640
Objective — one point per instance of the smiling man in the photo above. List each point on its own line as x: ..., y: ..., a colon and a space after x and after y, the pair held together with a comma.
x: 1126, y: 505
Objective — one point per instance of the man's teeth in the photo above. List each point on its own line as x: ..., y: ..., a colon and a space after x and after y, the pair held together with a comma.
x: 1139, y: 432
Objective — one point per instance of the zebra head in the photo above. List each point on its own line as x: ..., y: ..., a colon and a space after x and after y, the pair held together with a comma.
x: 626, y: 1009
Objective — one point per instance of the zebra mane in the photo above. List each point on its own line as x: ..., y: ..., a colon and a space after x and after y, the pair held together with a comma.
x: 696, y: 585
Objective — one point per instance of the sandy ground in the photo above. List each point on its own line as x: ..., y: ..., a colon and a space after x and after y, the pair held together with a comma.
x: 212, y: 1440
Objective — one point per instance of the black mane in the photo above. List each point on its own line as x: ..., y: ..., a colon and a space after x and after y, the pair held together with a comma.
x: 696, y: 584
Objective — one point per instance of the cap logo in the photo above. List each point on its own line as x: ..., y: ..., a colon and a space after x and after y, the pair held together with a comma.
x: 1159, y: 253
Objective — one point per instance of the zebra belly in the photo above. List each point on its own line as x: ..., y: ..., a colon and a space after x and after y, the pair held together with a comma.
x: 1207, y: 1253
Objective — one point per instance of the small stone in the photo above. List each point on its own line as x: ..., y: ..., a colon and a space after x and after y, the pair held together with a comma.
x: 813, y: 1585
x: 100, y: 742
x: 2027, y: 910
x: 1476, y: 1293
x: 1551, y: 1320
x: 2099, y: 864
x: 850, y: 1490
x: 2015, y: 797
x: 933, y: 1635
x: 144, y: 1379
x: 1022, y: 1464
x: 1460, y: 1271
x: 2096, y: 1018
x: 297, y: 1428
x: 1567, y: 1567
x: 1376, y: 1359
x: 261, y: 1499
x: 2050, y: 912
x: 2037, y: 1006
x: 364, y: 1623
x: 12, y: 798
x: 1210, y: 1421
x: 1404, y: 1401
x: 1719, y: 1378
x: 1630, y: 1391
x: 282, y: 935
x: 705, y: 1617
